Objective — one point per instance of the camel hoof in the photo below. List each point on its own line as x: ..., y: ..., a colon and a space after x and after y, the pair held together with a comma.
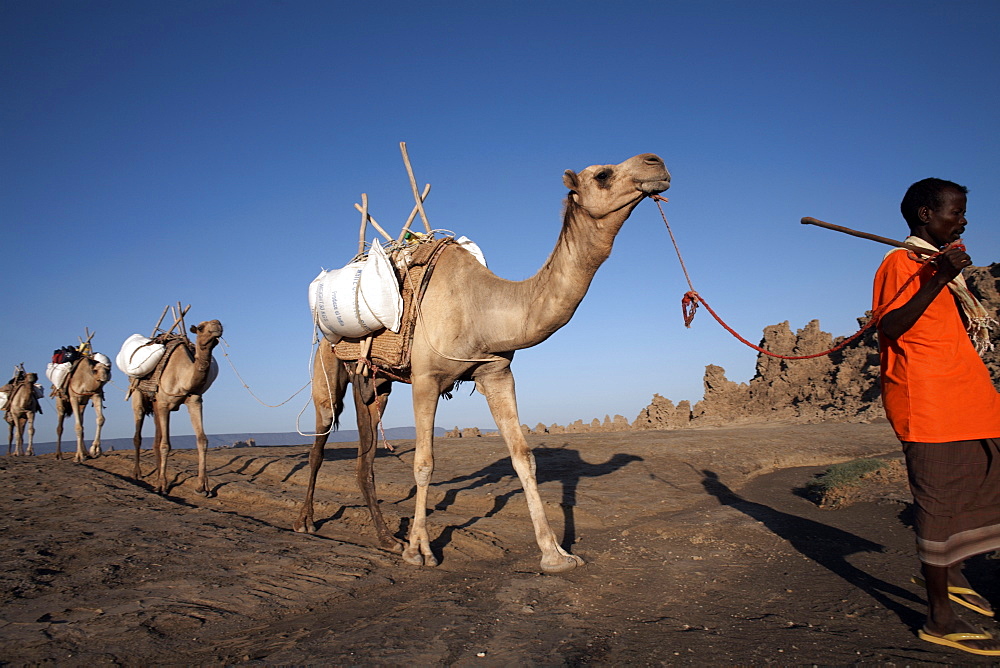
x: 414, y: 556
x: 304, y: 527
x: 392, y: 544
x: 564, y: 565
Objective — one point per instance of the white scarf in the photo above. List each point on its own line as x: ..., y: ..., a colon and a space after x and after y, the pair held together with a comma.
x: 977, y: 318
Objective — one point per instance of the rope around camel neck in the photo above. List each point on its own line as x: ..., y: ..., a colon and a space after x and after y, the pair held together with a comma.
x: 691, y: 301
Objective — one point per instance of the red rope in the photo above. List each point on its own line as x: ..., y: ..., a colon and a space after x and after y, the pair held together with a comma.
x: 691, y: 301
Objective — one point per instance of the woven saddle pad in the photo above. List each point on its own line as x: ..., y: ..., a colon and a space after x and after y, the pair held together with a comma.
x: 150, y: 383
x: 388, y: 348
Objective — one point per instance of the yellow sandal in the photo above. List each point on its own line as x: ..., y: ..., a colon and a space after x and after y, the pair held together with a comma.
x: 956, y: 594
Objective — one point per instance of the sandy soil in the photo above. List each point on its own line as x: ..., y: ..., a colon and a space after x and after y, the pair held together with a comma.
x: 700, y: 550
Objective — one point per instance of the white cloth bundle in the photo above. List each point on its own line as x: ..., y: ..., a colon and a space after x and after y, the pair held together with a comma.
x: 358, y: 299
x: 138, y: 356
x: 56, y: 373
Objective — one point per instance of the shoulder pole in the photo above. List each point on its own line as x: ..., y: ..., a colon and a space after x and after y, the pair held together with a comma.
x: 865, y: 235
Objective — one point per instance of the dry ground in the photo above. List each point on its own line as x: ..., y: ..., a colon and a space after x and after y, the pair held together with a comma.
x: 699, y: 550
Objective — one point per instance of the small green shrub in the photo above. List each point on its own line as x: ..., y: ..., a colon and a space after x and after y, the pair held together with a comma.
x: 846, y: 474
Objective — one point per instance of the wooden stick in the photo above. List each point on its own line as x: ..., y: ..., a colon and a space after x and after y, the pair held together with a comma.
x: 865, y: 235
x: 178, y: 318
x: 364, y: 222
x: 413, y: 213
x: 84, y: 346
x: 413, y: 186
x: 183, y: 329
x: 160, y: 321
x: 374, y: 224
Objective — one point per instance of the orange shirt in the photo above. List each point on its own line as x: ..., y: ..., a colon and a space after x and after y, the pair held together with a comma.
x: 935, y: 387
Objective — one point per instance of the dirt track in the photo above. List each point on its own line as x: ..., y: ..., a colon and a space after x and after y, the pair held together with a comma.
x: 698, y: 552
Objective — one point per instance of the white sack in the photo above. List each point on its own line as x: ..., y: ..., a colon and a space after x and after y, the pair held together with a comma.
x: 56, y: 373
x: 380, y: 290
x: 471, y: 246
x: 138, y: 356
x: 101, y: 358
x: 3, y: 401
x: 213, y: 373
x: 337, y: 306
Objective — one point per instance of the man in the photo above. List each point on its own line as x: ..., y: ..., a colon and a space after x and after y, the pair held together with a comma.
x: 943, y: 406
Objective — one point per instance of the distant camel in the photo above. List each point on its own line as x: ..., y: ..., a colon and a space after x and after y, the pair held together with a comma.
x: 183, y: 379
x: 22, y: 404
x: 470, y: 324
x: 84, y: 383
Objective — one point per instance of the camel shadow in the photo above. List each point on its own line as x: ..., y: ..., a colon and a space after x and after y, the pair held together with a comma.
x: 826, y: 545
x: 554, y: 464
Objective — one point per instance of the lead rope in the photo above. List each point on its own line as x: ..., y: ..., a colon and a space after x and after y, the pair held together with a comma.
x: 243, y: 382
x: 691, y: 301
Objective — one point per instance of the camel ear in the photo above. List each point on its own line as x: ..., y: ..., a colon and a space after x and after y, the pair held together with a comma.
x: 570, y: 180
x: 194, y: 329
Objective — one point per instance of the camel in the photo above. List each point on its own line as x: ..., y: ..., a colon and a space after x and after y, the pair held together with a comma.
x: 470, y: 324
x: 22, y: 404
x: 183, y: 380
x: 85, y: 383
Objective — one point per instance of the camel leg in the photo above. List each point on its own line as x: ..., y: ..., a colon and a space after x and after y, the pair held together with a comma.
x: 329, y: 386
x: 304, y: 523
x: 10, y: 434
x: 425, y: 399
x: 60, y: 416
x: 31, y: 433
x: 78, y: 403
x: 364, y: 471
x: 498, y: 388
x: 161, y: 445
x: 194, y: 405
x: 95, y: 447
x: 19, y: 433
x: 139, y: 416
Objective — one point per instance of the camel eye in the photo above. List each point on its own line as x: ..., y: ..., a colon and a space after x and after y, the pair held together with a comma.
x: 602, y: 175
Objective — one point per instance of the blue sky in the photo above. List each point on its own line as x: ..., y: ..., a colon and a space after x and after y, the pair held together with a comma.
x: 210, y: 152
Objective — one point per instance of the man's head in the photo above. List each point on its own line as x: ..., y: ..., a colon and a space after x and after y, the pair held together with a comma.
x: 926, y: 193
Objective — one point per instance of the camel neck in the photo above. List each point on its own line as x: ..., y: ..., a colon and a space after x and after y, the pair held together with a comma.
x: 203, y: 358
x: 557, y: 288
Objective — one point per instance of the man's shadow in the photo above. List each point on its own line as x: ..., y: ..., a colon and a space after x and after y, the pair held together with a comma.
x: 560, y: 464
x: 826, y: 545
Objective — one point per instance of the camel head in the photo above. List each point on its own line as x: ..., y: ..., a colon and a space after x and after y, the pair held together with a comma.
x: 604, y: 189
x: 102, y: 372
x: 207, y: 333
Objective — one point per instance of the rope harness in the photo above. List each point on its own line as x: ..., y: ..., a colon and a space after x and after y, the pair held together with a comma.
x: 691, y: 301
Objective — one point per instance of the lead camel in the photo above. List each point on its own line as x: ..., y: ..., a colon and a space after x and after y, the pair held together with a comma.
x: 471, y: 323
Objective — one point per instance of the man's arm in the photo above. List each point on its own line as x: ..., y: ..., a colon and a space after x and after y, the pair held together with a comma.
x: 949, y: 264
